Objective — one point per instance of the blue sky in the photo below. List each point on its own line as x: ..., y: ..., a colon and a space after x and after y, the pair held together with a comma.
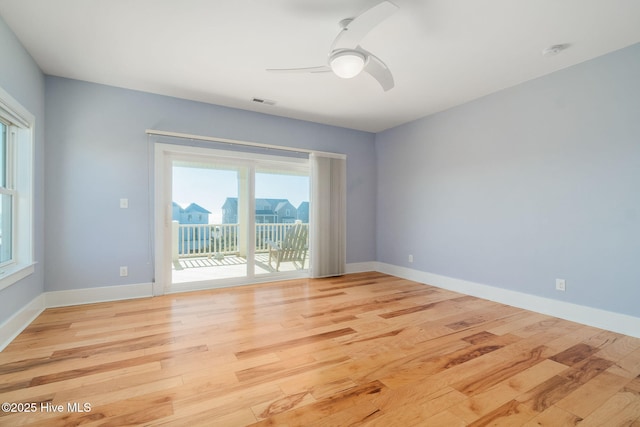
x: 210, y: 187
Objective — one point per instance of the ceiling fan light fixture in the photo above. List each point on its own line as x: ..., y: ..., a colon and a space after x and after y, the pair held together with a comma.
x: 347, y: 64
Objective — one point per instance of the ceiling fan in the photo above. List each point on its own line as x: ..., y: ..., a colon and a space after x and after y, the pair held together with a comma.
x: 347, y: 58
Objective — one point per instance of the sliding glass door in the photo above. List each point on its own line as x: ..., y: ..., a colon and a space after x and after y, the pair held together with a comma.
x: 281, y: 221
x: 205, y: 227
x: 228, y: 218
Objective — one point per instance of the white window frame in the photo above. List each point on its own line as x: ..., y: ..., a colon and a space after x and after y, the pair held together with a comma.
x: 8, y: 189
x: 20, y: 184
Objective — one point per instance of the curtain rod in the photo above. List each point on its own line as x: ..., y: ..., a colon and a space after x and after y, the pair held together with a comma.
x: 245, y: 143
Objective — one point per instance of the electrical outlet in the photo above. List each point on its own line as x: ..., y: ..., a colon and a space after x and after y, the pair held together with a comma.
x: 124, y: 203
x: 561, y: 285
x: 410, y: 258
x: 124, y: 271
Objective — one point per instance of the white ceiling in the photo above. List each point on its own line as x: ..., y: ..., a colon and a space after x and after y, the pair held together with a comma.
x: 442, y: 52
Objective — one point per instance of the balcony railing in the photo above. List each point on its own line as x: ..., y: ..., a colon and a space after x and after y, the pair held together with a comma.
x: 206, y: 240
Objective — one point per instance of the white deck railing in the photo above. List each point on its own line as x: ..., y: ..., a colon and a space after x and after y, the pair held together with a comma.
x: 199, y: 240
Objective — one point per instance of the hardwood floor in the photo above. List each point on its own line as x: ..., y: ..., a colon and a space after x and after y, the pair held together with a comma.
x: 363, y: 349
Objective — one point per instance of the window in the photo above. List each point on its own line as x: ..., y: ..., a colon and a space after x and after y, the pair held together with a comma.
x: 7, y: 195
x: 16, y: 191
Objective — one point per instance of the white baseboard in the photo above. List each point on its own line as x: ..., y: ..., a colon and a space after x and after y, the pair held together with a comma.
x: 12, y: 327
x: 94, y: 295
x: 361, y: 267
x: 616, y: 322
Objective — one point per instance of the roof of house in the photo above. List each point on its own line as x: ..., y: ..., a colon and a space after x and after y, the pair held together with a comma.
x: 194, y: 207
x: 261, y: 204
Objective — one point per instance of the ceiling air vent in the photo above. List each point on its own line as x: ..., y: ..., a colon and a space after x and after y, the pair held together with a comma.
x: 264, y: 101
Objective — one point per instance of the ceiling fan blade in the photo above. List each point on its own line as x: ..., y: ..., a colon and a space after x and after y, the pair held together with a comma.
x: 351, y: 35
x: 319, y: 69
x: 378, y: 70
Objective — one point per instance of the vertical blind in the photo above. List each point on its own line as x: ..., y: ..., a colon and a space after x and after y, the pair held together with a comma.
x: 328, y: 215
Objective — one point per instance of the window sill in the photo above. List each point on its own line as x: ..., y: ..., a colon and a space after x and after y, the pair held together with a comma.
x: 13, y: 274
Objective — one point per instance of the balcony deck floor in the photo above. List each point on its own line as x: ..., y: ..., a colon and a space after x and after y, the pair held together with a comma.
x: 198, y: 269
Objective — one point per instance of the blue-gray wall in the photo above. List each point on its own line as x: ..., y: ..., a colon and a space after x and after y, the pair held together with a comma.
x: 97, y: 153
x: 23, y: 80
x: 536, y: 182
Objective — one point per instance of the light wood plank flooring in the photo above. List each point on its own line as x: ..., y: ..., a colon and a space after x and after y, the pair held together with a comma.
x: 363, y: 349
